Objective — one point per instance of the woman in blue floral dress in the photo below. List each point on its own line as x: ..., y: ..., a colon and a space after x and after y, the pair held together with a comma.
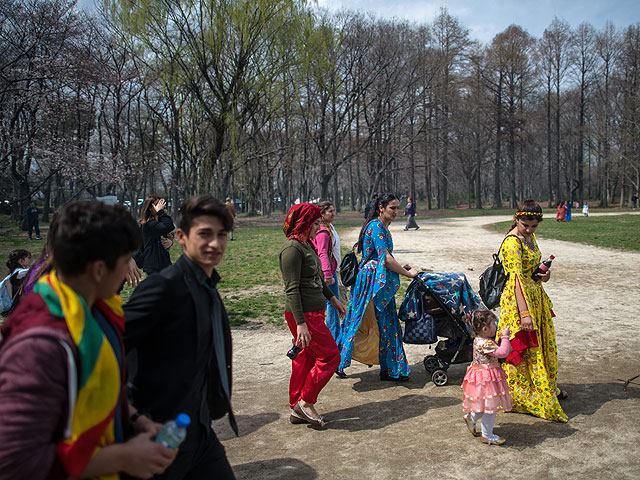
x: 374, y: 295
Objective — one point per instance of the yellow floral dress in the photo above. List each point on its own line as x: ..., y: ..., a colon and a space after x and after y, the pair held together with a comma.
x: 533, y: 382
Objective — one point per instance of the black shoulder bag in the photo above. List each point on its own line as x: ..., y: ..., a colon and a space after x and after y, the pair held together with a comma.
x: 493, y: 280
x: 350, y: 267
x: 138, y: 255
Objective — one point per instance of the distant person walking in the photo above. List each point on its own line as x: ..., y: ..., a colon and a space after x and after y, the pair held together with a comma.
x: 31, y: 213
x: 567, y: 214
x: 232, y: 210
x: 585, y: 209
x: 634, y: 200
x: 410, y: 213
x: 561, y: 209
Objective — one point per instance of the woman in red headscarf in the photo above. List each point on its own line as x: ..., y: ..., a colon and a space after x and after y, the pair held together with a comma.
x: 306, y: 291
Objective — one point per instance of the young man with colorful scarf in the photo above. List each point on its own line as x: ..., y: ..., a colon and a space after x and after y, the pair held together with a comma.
x: 178, y: 334
x: 64, y: 409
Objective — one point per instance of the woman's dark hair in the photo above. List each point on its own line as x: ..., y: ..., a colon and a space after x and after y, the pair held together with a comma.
x: 91, y: 231
x: 382, y: 201
x: 147, y: 212
x: 478, y: 320
x: 527, y: 210
x: 15, y: 256
x: 203, y: 205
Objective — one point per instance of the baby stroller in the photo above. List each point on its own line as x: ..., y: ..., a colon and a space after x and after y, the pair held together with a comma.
x: 434, y: 306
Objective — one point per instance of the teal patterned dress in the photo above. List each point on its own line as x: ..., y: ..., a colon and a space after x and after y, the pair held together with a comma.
x: 378, y: 284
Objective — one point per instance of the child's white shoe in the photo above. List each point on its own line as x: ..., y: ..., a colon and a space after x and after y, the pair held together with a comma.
x: 493, y: 440
x: 470, y: 425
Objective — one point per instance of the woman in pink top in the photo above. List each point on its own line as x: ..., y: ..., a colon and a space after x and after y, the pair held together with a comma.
x: 327, y: 245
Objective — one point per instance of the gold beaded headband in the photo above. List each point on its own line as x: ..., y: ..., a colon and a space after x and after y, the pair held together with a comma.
x: 528, y: 214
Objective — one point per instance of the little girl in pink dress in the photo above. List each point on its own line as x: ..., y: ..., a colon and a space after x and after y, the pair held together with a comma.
x: 485, y: 384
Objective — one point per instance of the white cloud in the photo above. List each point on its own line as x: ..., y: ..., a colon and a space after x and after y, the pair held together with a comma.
x: 486, y: 18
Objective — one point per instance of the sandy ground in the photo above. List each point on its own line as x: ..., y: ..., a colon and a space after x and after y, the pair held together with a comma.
x: 415, y: 430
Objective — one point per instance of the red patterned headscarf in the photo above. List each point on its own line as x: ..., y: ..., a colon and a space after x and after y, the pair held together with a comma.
x: 299, y: 220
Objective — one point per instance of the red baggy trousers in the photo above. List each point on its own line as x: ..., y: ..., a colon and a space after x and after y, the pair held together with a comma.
x: 315, y: 365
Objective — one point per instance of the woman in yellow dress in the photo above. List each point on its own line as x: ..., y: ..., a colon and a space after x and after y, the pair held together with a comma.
x: 532, y: 367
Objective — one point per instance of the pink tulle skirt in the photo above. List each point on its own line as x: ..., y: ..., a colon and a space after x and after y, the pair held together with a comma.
x: 486, y: 389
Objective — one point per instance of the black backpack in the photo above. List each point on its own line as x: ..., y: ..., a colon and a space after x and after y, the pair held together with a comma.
x: 350, y: 266
x: 493, y: 280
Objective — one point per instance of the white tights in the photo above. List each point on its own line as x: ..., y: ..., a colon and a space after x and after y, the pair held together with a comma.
x: 486, y: 421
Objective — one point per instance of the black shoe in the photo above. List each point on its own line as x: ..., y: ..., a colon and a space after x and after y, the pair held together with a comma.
x: 385, y: 377
x: 341, y: 374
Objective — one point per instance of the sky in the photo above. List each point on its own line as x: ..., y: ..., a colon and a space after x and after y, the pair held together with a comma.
x: 486, y: 18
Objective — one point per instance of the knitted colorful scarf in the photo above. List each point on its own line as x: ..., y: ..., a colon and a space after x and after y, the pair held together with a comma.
x: 91, y: 424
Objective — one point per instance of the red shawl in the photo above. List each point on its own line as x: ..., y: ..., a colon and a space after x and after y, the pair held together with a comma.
x: 299, y: 220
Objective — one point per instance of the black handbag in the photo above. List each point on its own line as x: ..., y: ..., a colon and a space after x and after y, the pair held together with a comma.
x: 493, y: 280
x: 138, y: 255
x: 350, y: 267
x: 420, y: 330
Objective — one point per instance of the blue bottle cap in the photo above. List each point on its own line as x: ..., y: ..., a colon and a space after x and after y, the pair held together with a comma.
x: 183, y: 420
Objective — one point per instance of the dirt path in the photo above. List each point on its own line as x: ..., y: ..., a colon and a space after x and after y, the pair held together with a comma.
x: 415, y: 430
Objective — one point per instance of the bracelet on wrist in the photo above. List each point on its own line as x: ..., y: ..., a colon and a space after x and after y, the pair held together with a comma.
x: 525, y: 313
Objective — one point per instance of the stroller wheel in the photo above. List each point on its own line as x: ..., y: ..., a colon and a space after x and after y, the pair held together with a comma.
x: 439, y: 377
x: 431, y: 363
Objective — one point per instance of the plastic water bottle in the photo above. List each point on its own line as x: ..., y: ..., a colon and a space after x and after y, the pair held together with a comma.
x: 174, y: 432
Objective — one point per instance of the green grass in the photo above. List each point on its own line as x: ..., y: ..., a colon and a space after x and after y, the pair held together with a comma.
x: 251, y: 284
x: 615, y: 231
x: 14, y: 239
x: 7, y: 222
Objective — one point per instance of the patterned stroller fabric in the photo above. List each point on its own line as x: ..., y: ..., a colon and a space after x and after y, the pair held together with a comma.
x: 426, y: 321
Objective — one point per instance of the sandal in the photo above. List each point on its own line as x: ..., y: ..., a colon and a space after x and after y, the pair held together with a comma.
x: 562, y: 395
x: 493, y: 440
x: 470, y: 425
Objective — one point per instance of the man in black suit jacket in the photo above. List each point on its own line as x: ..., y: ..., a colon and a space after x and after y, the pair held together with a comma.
x: 177, y: 334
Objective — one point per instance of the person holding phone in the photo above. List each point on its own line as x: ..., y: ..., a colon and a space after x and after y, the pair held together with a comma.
x: 155, y: 223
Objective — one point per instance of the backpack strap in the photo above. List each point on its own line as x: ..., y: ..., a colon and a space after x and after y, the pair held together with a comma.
x: 503, y: 240
x: 369, y: 257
